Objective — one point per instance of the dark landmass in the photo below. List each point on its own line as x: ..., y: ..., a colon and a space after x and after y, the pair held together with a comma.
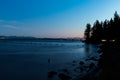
x: 15, y: 37
x: 109, y: 63
x: 106, y: 33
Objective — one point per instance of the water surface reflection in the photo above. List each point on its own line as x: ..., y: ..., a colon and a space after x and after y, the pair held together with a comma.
x: 29, y: 60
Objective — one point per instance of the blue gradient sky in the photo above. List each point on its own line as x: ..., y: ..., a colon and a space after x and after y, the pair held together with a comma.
x: 52, y: 18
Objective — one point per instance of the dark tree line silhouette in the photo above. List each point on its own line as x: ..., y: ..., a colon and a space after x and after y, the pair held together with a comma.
x: 108, y: 30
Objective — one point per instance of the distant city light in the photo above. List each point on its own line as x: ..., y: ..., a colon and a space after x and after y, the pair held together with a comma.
x: 103, y: 40
x: 112, y: 40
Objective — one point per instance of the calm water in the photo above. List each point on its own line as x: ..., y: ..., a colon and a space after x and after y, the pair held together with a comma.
x: 28, y: 60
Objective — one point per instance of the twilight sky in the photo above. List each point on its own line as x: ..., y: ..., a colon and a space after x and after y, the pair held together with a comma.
x: 52, y: 18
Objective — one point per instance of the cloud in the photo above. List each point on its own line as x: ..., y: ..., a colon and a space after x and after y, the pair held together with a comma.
x: 12, y: 22
x: 10, y: 26
x: 15, y: 22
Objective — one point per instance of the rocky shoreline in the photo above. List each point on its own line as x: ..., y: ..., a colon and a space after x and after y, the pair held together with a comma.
x: 108, y: 66
x: 78, y: 71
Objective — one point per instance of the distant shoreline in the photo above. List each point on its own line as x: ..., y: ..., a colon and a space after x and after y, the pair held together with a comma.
x: 37, y: 39
x: 42, y: 39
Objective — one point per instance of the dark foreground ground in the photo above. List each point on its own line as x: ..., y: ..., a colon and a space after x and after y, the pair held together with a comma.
x: 111, y: 61
x: 109, y: 64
